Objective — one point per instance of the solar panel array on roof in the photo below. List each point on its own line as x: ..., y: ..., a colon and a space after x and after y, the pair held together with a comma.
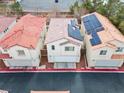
x: 92, y: 26
x: 95, y: 39
x: 74, y: 31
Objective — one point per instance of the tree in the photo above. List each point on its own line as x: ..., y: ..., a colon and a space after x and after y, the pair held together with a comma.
x: 121, y: 26
x: 16, y: 8
x: 115, y: 20
x: 75, y: 8
x: 113, y: 10
x: 88, y: 6
x: 3, y: 7
x: 72, y: 9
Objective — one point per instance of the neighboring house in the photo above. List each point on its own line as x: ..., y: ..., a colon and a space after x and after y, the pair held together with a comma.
x: 22, y: 45
x: 104, y: 42
x: 3, y: 91
x: 7, y: 1
x: 64, y: 42
x: 47, y: 5
x: 50, y: 92
x: 6, y: 23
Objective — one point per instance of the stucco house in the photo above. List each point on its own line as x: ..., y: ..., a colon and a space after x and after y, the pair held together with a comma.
x: 6, y: 23
x: 64, y: 42
x: 21, y: 46
x: 104, y: 42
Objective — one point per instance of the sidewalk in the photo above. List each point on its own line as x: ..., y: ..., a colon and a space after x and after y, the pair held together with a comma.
x: 90, y: 70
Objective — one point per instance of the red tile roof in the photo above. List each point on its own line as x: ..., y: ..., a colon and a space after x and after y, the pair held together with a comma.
x: 4, y: 56
x: 25, y: 33
x: 5, y: 22
x: 117, y: 56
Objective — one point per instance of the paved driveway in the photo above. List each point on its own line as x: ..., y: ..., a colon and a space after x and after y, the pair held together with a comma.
x: 75, y: 82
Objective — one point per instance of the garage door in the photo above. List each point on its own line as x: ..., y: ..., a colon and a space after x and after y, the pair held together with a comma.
x: 110, y: 63
x: 65, y: 65
x: 65, y: 59
x: 19, y: 63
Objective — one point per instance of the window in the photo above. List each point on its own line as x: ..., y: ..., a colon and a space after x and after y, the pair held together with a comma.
x: 5, y: 50
x: 21, y: 52
x: 53, y: 47
x: 103, y: 52
x: 120, y: 49
x: 69, y: 48
x: 56, y: 1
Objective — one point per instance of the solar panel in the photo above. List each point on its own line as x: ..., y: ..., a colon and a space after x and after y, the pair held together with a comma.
x: 99, y: 29
x: 73, y: 22
x: 92, y: 42
x: 95, y: 21
x: 94, y: 34
x: 85, y: 19
x: 92, y: 26
x: 95, y: 41
x: 88, y: 27
x: 74, y: 32
x: 91, y: 22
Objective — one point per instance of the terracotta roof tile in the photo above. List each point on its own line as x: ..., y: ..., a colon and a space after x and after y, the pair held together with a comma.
x: 25, y: 33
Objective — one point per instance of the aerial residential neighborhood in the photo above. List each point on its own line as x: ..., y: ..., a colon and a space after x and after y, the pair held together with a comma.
x: 61, y: 46
x: 66, y: 43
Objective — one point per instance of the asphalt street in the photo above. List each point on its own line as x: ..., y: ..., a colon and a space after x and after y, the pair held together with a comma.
x: 75, y: 82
